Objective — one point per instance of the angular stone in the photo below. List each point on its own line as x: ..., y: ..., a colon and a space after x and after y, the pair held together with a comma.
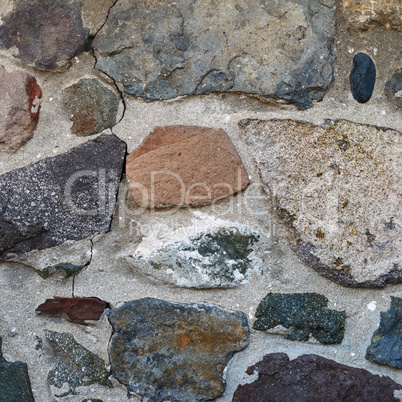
x: 19, y: 107
x: 393, y: 88
x: 92, y: 106
x: 368, y: 14
x: 14, y: 381
x: 338, y: 189
x: 313, y: 378
x: 303, y: 314
x: 74, y: 309
x: 386, y: 343
x: 169, y: 351
x: 45, y: 34
x: 66, y: 197
x: 272, y: 49
x: 184, y: 165
x: 75, y: 366
x: 362, y: 77
x: 222, y: 256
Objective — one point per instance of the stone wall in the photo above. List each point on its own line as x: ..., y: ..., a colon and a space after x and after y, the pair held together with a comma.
x: 200, y: 200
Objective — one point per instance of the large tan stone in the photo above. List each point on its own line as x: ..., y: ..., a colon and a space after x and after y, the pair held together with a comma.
x: 338, y: 188
x: 368, y: 14
x: 184, y: 165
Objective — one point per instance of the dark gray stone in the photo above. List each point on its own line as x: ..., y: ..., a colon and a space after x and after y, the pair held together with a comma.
x: 66, y: 197
x: 174, y: 352
x: 303, y: 314
x: 313, y: 378
x: 362, y: 77
x: 14, y: 381
x: 386, y: 343
x: 393, y: 88
x: 165, y: 49
x: 46, y: 34
x: 92, y: 106
x: 75, y: 365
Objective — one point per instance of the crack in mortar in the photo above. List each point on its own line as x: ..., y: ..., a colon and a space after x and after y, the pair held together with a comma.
x: 86, y: 265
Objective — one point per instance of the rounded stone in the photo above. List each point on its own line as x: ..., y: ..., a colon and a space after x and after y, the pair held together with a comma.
x: 362, y: 77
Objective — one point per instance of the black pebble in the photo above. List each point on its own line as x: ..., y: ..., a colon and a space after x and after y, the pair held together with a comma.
x: 362, y: 77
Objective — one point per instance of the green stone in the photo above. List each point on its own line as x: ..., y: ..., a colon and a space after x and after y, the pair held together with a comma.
x: 14, y: 381
x: 302, y: 314
x: 386, y: 343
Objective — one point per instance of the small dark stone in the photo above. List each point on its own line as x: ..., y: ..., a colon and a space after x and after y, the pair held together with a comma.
x: 92, y: 400
x: 303, y: 314
x: 66, y: 269
x: 174, y: 352
x: 362, y: 77
x: 386, y: 343
x: 313, y: 378
x: 92, y: 106
x: 47, y: 33
x: 14, y: 381
x: 75, y: 365
x: 66, y: 197
x: 74, y: 309
x: 393, y: 89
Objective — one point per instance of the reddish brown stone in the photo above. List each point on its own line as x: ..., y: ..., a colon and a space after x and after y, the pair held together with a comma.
x: 19, y: 108
x: 74, y: 309
x: 313, y: 378
x: 184, y: 165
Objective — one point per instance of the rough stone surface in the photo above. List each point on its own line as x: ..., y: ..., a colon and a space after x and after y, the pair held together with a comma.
x: 14, y: 381
x: 19, y: 107
x: 67, y: 259
x: 75, y: 365
x: 315, y: 178
x: 386, y: 344
x: 313, y: 378
x: 67, y: 197
x: 368, y: 14
x: 167, y: 351
x: 46, y: 34
x: 303, y: 314
x: 217, y: 258
x: 184, y: 165
x: 393, y: 88
x: 92, y: 107
x: 270, y: 48
x: 74, y: 309
x: 362, y: 77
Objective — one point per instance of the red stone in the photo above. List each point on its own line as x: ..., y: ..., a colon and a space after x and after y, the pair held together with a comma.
x: 74, y: 309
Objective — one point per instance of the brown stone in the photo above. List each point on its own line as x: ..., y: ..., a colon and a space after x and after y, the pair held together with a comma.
x: 184, y: 165
x: 368, y: 14
x: 74, y: 309
x: 313, y: 378
x: 19, y: 108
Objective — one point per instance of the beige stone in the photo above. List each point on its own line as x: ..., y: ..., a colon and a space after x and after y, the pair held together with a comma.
x: 368, y: 14
x: 184, y: 165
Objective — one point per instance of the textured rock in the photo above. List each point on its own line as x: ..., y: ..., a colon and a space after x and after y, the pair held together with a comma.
x: 269, y: 48
x: 14, y: 381
x: 362, y: 77
x: 221, y: 257
x: 75, y: 365
x: 393, y: 88
x: 67, y: 197
x: 92, y: 106
x: 19, y: 107
x: 303, y: 314
x: 66, y: 260
x: 367, y: 14
x: 74, y: 309
x: 184, y: 165
x: 313, y: 378
x: 167, y: 351
x: 386, y: 344
x: 315, y: 178
x: 46, y: 34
